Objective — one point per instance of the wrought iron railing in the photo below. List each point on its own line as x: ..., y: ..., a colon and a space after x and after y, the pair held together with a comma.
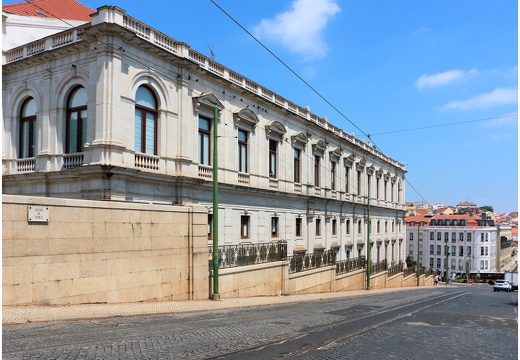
x: 311, y: 261
x: 409, y: 271
x: 345, y: 266
x: 395, y: 269
x: 248, y: 254
x: 378, y: 267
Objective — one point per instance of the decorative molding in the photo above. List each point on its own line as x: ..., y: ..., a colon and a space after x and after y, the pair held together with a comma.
x: 319, y: 147
x: 208, y: 101
x: 350, y: 160
x: 275, y: 129
x: 246, y: 117
x: 335, y: 154
x: 299, y: 140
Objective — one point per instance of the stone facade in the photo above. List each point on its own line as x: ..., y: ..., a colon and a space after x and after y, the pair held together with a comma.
x: 102, y: 252
x: 146, y: 136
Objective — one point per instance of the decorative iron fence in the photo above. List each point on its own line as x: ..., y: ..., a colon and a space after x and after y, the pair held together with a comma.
x: 409, y: 271
x: 378, y: 267
x: 248, y: 254
x: 311, y: 261
x: 345, y: 266
x: 395, y: 269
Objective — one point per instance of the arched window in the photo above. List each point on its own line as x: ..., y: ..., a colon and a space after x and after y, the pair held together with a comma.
x: 76, y: 129
x: 145, y: 121
x: 28, y: 129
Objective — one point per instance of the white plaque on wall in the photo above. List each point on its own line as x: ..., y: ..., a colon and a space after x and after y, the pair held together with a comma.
x: 38, y: 214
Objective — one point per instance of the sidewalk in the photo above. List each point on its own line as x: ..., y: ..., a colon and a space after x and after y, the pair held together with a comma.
x: 25, y: 314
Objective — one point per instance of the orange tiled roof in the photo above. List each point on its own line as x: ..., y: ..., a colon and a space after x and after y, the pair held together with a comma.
x: 467, y: 203
x: 514, y: 231
x: 470, y: 221
x: 61, y: 9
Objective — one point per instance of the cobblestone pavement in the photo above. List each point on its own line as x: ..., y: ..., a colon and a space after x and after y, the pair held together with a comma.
x: 479, y: 324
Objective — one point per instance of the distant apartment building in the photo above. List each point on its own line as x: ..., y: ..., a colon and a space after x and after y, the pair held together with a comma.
x: 471, y: 243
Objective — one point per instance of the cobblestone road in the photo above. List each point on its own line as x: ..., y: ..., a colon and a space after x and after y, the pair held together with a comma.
x: 478, y: 324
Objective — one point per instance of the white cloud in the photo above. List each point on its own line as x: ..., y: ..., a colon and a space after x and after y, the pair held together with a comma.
x: 300, y: 28
x: 500, y: 96
x: 444, y: 78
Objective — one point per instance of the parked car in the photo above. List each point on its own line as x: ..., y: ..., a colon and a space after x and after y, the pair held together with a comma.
x: 502, y: 285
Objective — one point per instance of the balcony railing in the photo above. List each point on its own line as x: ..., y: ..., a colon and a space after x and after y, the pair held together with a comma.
x: 72, y: 160
x: 378, y: 267
x: 25, y: 165
x: 145, y: 161
x: 395, y: 269
x: 248, y: 254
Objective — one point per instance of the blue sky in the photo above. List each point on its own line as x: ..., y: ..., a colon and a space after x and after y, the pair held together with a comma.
x: 389, y: 67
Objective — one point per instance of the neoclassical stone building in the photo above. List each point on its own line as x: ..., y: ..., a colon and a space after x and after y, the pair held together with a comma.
x: 115, y: 110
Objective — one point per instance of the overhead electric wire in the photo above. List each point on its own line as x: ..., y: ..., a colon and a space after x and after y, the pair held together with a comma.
x: 291, y: 70
x: 442, y: 125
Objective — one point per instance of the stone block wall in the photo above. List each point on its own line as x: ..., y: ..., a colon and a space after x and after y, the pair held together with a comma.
x: 102, y: 252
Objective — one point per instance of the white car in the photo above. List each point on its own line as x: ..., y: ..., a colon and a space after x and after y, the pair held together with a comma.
x: 502, y: 285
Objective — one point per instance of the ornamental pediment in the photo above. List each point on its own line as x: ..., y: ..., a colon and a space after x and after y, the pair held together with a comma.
x: 350, y: 160
x: 319, y: 147
x: 299, y: 140
x: 335, y: 154
x: 246, y: 117
x: 208, y: 100
x: 275, y: 129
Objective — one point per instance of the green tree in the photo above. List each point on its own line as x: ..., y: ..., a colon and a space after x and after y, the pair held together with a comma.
x: 487, y: 208
x: 409, y: 261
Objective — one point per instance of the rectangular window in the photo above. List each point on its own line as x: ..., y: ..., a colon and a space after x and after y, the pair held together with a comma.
x: 453, y: 263
x: 244, y: 227
x: 296, y: 165
x: 469, y: 250
x: 460, y: 265
x: 438, y: 263
x: 386, y: 226
x: 487, y: 236
x: 486, y: 251
x: 392, y: 193
x: 446, y: 237
x: 273, y: 145
x: 210, y: 226
x: 410, y: 249
x: 439, y: 250
x: 347, y: 175
x: 369, y: 185
x: 274, y: 227
x: 333, y: 226
x: 318, y: 227
x: 411, y: 236
x: 439, y: 236
x: 453, y: 237
x: 432, y: 236
x: 481, y: 264
x: 332, y: 175
x: 420, y: 249
x: 317, y: 170
x: 377, y: 187
x: 393, y: 226
x: 378, y: 227
x: 469, y: 237
x: 482, y: 237
x: 461, y: 250
x: 482, y: 251
x: 485, y: 265
x: 204, y: 141
x: 298, y: 226
x: 359, y: 227
x: 431, y: 262
x: 453, y: 250
x: 242, y: 151
x: 461, y: 237
x: 432, y: 249
x: 347, y: 226
x: 359, y: 182
x: 386, y: 190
